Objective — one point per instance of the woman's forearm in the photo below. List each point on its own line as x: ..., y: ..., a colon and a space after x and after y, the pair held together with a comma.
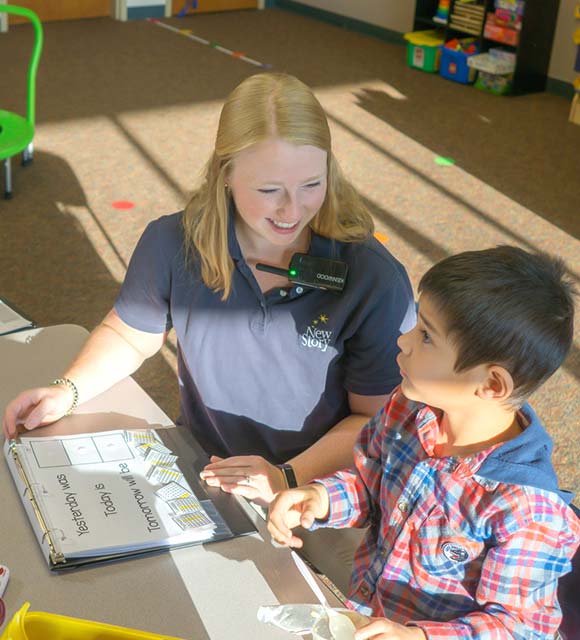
x: 112, y: 352
x: 332, y: 452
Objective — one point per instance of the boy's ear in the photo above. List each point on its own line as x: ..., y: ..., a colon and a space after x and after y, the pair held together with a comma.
x: 497, y: 385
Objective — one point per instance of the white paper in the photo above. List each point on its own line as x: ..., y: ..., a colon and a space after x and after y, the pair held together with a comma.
x: 95, y: 497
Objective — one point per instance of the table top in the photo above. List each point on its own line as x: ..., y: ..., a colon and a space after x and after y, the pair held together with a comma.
x: 208, y: 591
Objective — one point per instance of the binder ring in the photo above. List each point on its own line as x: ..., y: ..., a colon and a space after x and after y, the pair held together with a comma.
x: 49, y: 535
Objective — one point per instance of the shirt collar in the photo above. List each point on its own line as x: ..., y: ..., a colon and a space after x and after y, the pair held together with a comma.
x: 428, y: 421
x: 323, y: 247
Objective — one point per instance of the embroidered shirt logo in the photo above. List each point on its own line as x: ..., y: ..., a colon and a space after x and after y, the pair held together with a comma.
x: 316, y: 336
x: 454, y: 552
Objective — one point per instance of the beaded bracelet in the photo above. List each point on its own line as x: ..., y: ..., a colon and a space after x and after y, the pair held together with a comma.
x: 72, y: 386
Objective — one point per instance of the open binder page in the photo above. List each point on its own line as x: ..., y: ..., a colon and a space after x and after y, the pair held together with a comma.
x: 109, y: 493
x: 12, y: 320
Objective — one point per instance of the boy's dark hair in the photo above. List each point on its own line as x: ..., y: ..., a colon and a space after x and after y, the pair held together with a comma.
x: 508, y: 307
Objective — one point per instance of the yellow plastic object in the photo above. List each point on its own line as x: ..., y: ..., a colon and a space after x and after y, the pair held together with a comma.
x: 37, y: 625
x: 425, y: 38
x: 424, y: 50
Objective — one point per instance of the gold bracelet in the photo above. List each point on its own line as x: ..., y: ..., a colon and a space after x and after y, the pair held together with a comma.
x: 72, y: 386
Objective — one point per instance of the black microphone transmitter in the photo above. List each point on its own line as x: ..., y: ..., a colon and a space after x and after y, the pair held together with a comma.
x: 310, y: 271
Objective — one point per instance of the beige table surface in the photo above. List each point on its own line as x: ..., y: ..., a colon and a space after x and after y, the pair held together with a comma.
x: 211, y: 591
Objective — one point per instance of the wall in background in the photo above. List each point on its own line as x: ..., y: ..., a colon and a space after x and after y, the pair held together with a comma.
x: 394, y: 15
x: 564, y: 49
x: 397, y: 15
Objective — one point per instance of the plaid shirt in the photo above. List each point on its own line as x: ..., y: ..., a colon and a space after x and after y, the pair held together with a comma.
x: 457, y: 554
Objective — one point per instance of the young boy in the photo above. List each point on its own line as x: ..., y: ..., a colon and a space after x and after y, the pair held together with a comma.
x: 468, y: 531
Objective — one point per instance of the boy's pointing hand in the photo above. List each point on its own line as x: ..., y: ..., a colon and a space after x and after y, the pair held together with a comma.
x: 296, y: 507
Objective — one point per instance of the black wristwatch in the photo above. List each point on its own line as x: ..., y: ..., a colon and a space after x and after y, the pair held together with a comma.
x: 289, y: 475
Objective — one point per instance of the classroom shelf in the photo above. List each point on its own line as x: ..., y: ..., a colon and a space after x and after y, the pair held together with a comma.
x: 534, y: 46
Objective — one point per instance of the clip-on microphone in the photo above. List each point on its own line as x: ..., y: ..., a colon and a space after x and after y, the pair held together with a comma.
x: 309, y: 271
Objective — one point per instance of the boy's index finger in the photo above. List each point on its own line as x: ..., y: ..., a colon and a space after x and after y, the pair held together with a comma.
x: 279, y: 512
x: 276, y: 532
x: 307, y: 518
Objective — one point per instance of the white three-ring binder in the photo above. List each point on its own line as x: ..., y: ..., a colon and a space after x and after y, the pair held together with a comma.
x: 92, y: 498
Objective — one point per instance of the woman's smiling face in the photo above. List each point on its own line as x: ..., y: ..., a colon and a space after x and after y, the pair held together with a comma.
x: 278, y: 187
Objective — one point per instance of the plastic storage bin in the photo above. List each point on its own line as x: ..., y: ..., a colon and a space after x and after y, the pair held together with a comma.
x: 36, y: 625
x: 454, y: 65
x: 494, y: 83
x: 423, y: 50
x: 495, y: 74
x: 503, y: 54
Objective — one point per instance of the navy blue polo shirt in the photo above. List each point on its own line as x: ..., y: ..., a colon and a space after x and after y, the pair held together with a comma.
x: 268, y: 373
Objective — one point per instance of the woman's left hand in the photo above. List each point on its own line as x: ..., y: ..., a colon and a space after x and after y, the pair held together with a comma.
x: 250, y: 476
x: 384, y: 629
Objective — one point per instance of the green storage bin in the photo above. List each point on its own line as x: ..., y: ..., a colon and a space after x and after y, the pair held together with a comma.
x: 423, y: 50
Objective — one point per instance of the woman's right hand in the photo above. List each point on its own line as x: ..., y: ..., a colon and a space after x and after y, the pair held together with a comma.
x: 36, y: 408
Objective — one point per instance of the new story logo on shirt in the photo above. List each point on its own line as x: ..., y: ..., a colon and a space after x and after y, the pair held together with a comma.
x: 317, y: 336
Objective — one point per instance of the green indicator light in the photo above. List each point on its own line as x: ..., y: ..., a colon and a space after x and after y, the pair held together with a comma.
x: 292, y: 272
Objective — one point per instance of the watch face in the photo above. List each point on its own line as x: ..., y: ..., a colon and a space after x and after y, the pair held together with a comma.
x: 289, y: 475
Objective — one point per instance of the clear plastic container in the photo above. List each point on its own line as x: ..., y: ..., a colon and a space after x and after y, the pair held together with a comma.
x: 495, y: 75
x: 503, y: 54
x: 313, y: 618
x: 490, y: 64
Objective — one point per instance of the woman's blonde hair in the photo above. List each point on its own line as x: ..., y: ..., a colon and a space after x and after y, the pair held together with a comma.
x: 263, y: 106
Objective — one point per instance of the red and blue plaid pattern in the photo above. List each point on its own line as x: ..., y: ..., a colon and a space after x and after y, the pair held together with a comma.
x: 460, y: 555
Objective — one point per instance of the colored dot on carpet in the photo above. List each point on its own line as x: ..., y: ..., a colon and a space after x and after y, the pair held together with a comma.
x: 444, y: 162
x: 381, y: 237
x: 123, y: 204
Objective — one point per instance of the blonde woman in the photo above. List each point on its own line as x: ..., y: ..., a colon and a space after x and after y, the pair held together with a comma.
x: 276, y: 379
